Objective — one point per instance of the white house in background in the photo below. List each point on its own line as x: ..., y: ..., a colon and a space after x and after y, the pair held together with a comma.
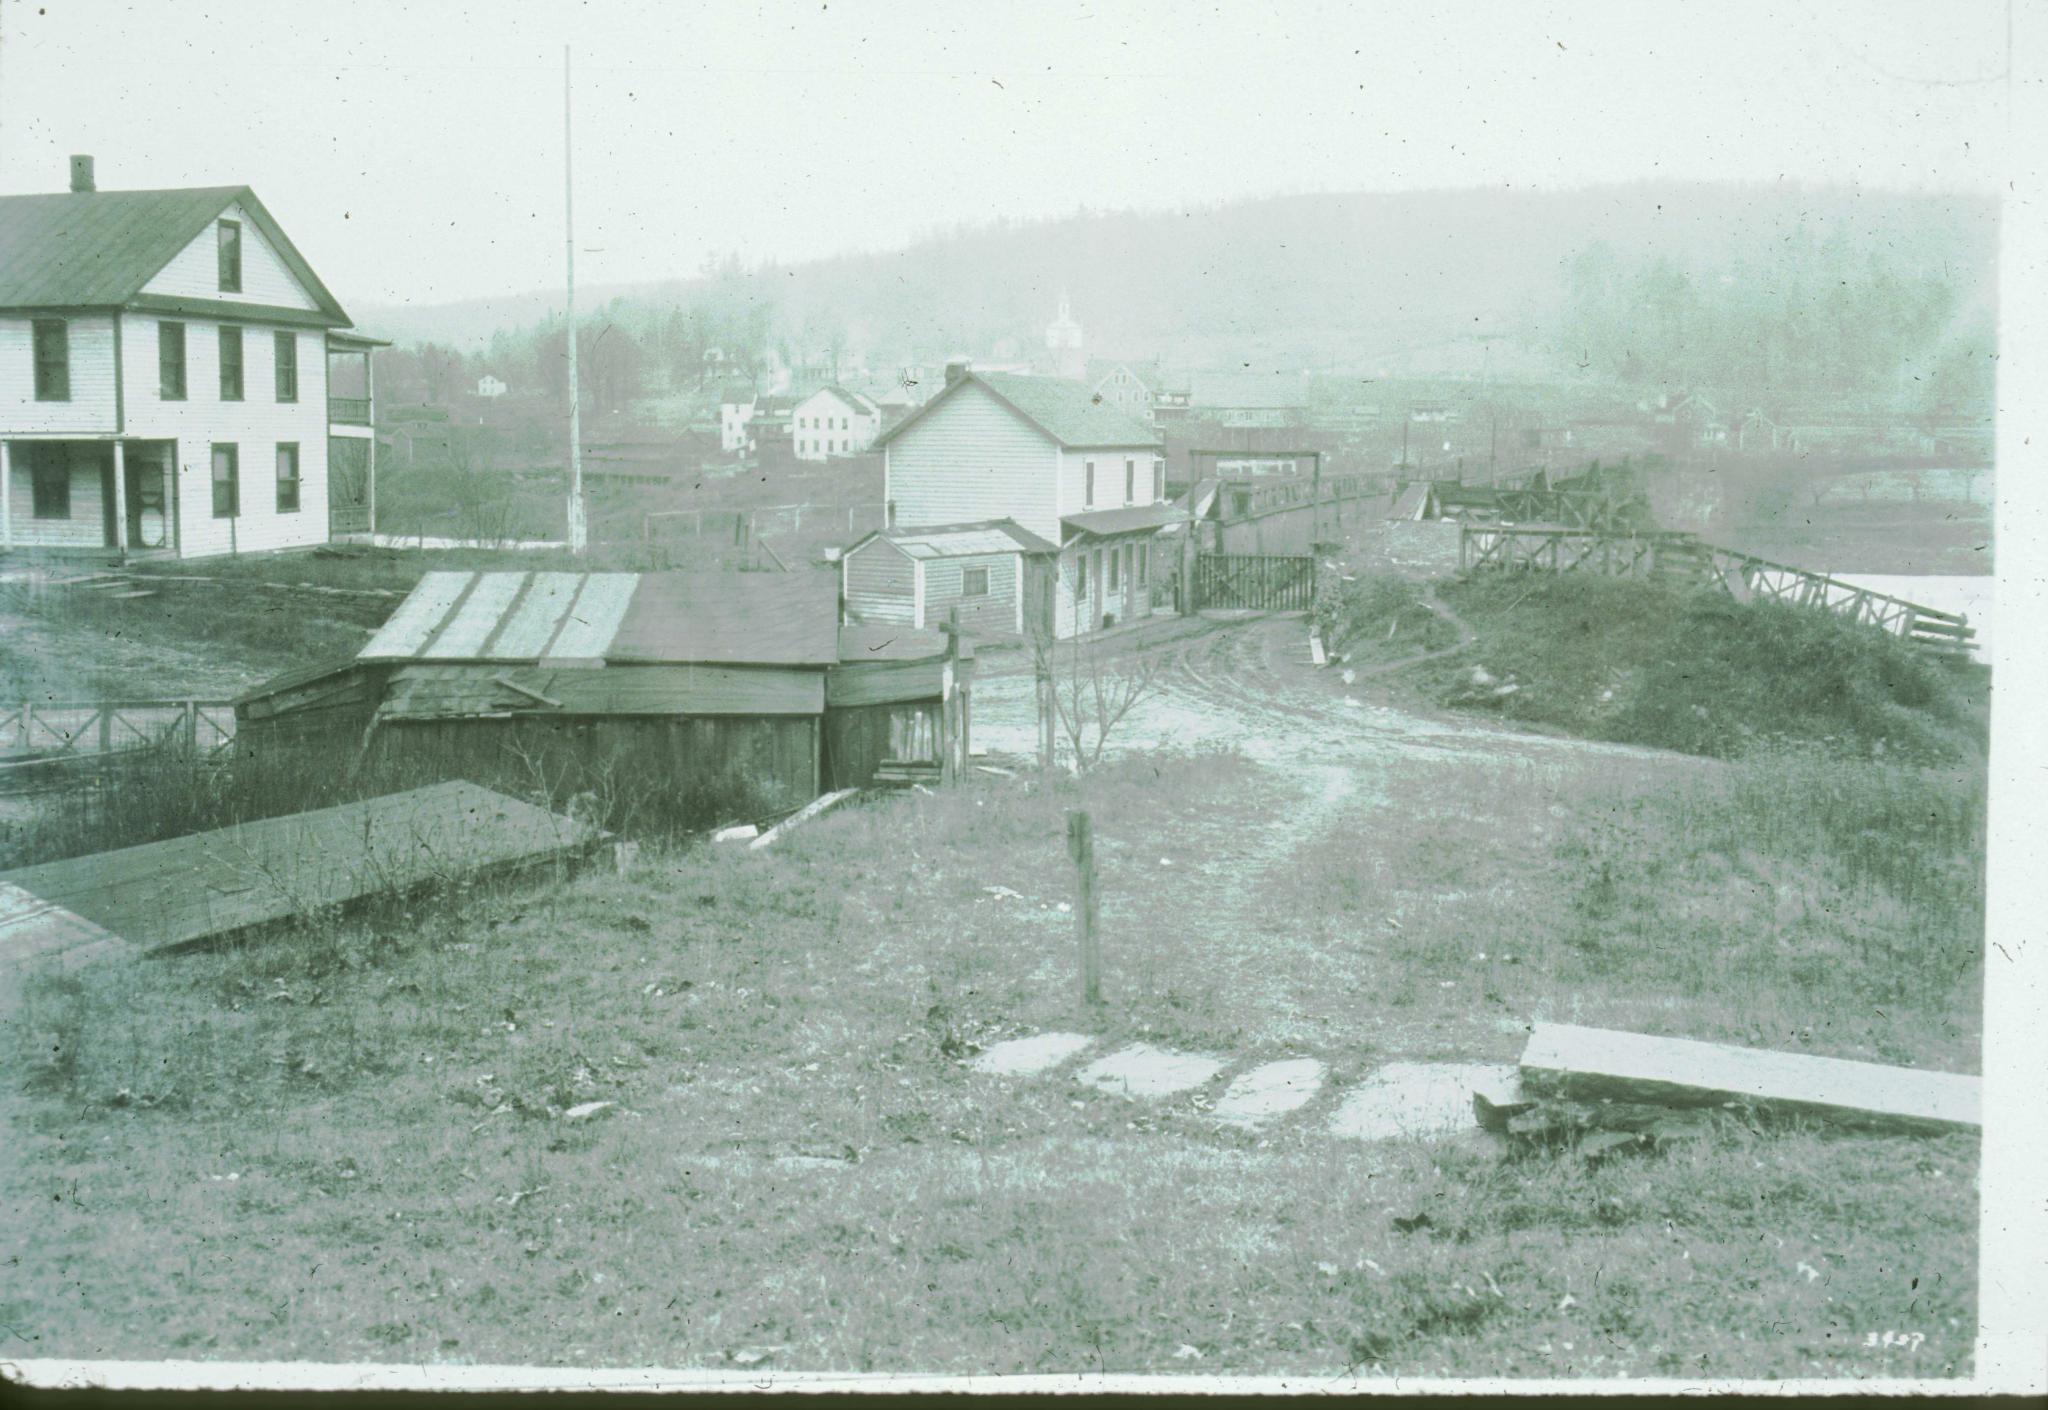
x: 735, y: 414
x: 1043, y: 454
x: 164, y: 374
x: 833, y: 421
x: 490, y: 386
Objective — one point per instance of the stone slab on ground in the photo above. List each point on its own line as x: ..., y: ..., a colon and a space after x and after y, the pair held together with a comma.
x: 1142, y: 1070
x: 1420, y: 1099
x: 1027, y: 1057
x: 1269, y: 1090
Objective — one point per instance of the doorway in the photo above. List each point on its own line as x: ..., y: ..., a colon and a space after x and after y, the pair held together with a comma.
x: 148, y: 493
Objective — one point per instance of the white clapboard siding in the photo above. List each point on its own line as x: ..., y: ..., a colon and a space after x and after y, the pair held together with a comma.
x: 90, y: 408
x: 994, y: 612
x: 880, y: 584
x: 83, y: 527
x: 256, y: 425
x: 972, y: 458
x: 1109, y: 478
x: 194, y: 273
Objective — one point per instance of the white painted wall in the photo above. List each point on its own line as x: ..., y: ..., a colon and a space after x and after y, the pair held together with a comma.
x: 256, y: 424
x: 823, y: 425
x: 972, y: 458
x: 195, y: 271
x: 1109, y: 479
x: 90, y: 409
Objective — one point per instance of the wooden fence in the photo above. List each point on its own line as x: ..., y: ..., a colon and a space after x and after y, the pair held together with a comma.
x: 95, y: 727
x: 1262, y: 582
x: 1673, y: 556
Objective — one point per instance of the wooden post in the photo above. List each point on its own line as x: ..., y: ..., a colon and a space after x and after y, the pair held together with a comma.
x: 6, y: 498
x: 121, y: 497
x: 106, y: 728
x: 1081, y: 846
x: 192, y: 727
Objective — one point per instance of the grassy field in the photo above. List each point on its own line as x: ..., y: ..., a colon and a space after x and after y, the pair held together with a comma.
x: 349, y: 1143
x: 1643, y: 663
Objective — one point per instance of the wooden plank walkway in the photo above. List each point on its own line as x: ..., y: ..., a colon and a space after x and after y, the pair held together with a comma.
x: 216, y: 883
x: 1594, y: 1064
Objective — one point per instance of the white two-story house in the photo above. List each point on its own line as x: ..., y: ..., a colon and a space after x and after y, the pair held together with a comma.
x: 1045, y: 455
x: 164, y: 376
x: 833, y: 421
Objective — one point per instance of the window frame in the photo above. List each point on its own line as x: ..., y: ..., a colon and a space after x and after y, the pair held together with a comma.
x: 1158, y: 479
x: 52, y: 374
x: 284, y: 352
x: 231, y: 336
x: 170, y: 333
x: 233, y: 482
x: 1088, y: 491
x: 1130, y: 479
x: 1144, y: 564
x: 1111, y: 581
x: 228, y: 255
x: 966, y: 574
x: 1081, y: 574
x: 49, y: 471
x: 296, y: 480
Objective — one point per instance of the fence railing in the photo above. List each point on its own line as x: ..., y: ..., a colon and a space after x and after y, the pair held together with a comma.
x: 348, y: 411
x: 1674, y: 555
x: 1260, y: 582
x: 33, y: 729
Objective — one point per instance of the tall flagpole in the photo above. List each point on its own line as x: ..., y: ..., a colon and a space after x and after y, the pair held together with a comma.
x: 579, y: 529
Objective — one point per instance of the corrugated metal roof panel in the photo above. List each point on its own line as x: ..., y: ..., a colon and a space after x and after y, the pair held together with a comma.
x: 594, y: 621
x: 526, y: 630
x: 471, y: 625
x: 408, y: 628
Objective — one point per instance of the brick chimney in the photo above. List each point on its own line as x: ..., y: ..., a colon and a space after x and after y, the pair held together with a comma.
x: 955, y: 372
x: 81, y: 174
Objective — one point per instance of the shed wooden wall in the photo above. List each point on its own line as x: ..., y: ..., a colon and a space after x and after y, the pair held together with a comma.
x: 697, y: 768
x: 880, y: 584
x: 995, y: 612
x: 857, y: 738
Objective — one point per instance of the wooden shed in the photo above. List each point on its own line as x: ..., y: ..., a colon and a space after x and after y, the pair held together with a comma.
x: 995, y: 575
x: 896, y: 706
x: 687, y: 695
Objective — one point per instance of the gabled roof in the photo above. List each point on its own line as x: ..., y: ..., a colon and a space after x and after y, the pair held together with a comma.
x: 769, y: 619
x: 96, y: 249
x: 961, y: 540
x: 1066, y: 412
x: 854, y: 401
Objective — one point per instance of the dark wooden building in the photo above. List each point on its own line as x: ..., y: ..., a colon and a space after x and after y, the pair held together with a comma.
x: 700, y: 694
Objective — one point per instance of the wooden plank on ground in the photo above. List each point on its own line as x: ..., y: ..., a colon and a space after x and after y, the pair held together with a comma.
x: 817, y: 806
x: 34, y: 931
x: 1593, y: 1064
x: 215, y: 883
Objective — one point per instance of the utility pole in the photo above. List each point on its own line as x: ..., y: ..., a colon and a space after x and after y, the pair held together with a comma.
x: 579, y: 528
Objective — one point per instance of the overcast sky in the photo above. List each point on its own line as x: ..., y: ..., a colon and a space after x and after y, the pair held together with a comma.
x: 413, y: 150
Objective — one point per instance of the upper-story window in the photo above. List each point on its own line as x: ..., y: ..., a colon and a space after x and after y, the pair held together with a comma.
x: 1158, y: 480
x: 170, y: 361
x: 1130, y: 482
x: 230, y: 363
x: 1088, y: 491
x: 53, y: 359
x: 287, y: 366
x: 230, y: 256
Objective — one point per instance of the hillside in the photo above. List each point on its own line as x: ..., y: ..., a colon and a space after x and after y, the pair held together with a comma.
x: 1357, y: 281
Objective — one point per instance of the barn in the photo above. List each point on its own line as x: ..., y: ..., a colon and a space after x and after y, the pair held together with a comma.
x: 690, y: 696
x: 996, y: 575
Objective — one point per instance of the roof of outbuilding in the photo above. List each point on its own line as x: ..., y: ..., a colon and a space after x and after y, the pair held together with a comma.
x: 96, y: 249
x: 767, y: 619
x: 1066, y: 412
x: 963, y: 540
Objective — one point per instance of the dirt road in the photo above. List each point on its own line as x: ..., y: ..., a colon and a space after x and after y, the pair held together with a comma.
x: 1247, y: 683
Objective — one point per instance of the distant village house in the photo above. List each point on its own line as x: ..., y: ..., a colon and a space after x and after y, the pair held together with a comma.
x: 833, y: 421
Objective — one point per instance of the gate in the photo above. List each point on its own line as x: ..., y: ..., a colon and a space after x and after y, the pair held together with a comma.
x: 1260, y: 582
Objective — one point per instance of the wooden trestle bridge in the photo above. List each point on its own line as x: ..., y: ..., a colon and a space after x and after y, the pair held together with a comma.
x: 1672, y: 556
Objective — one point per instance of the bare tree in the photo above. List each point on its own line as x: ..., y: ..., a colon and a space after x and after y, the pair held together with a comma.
x: 1090, y: 691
